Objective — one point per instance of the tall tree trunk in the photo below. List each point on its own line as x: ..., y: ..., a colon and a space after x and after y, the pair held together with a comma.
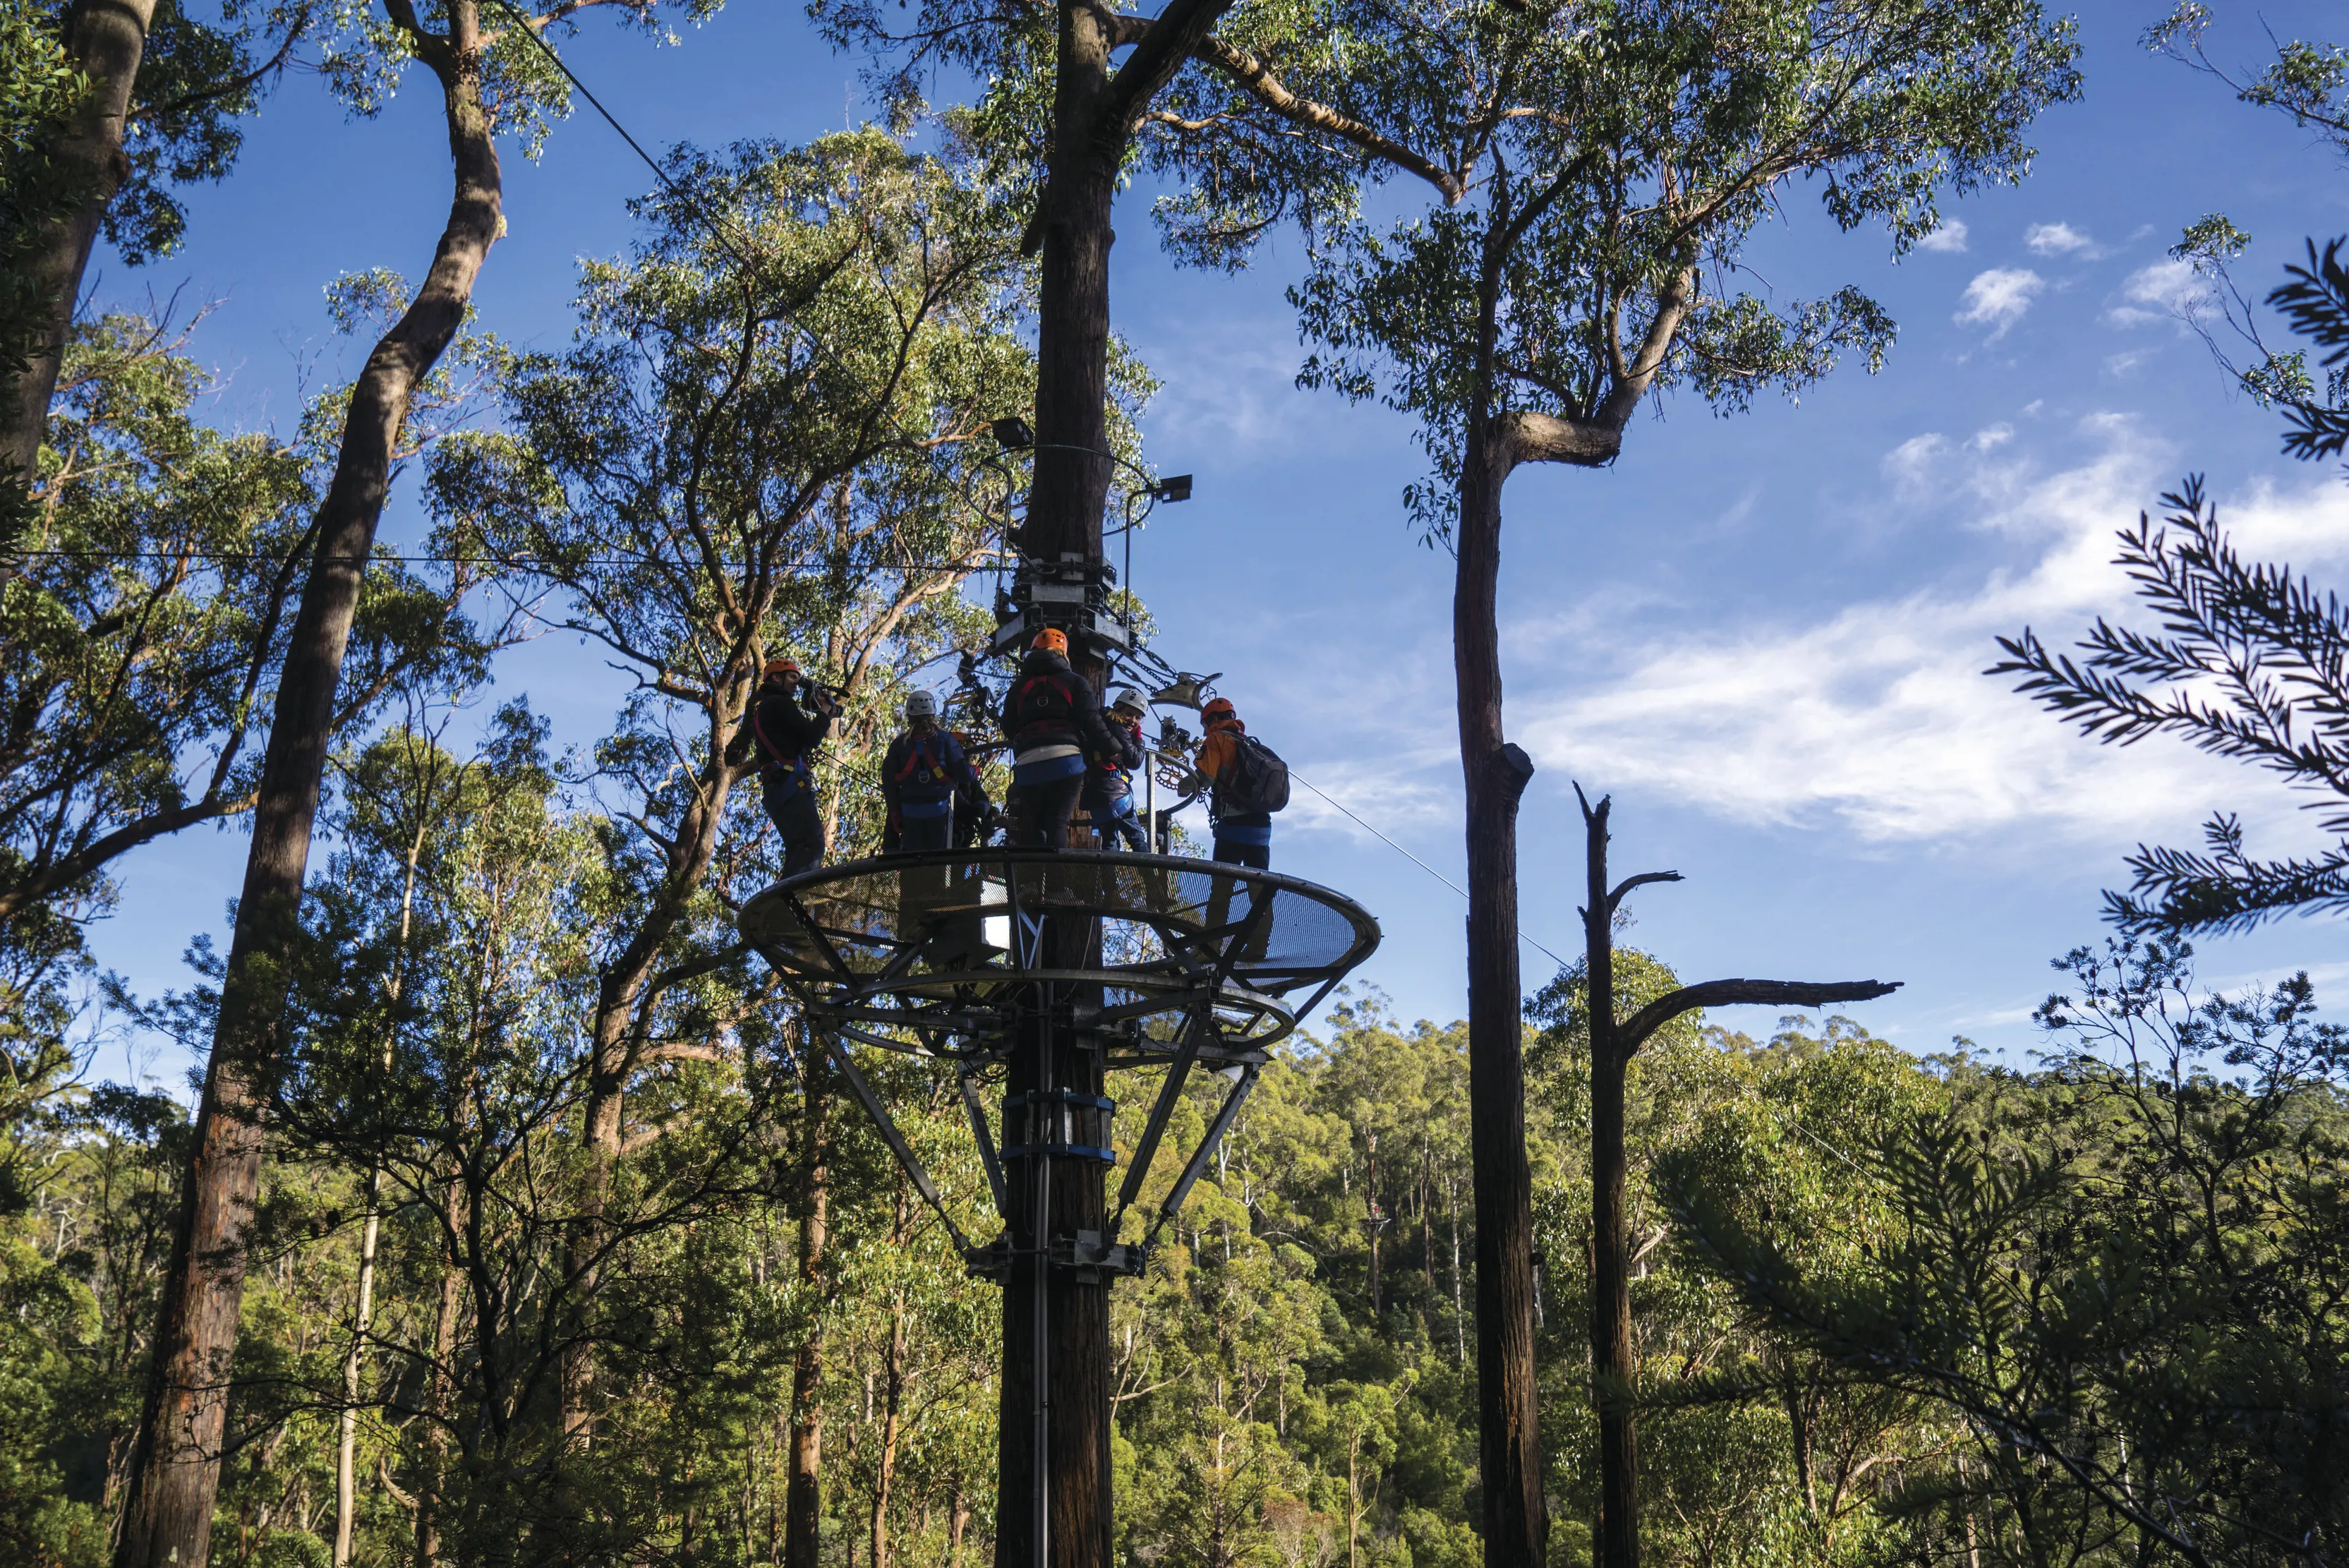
x: 105, y: 40
x: 1071, y: 482
x: 362, y: 1308
x: 893, y: 1396
x: 1517, y: 1525
x: 803, y: 1502
x: 440, y: 1399
x: 354, y: 1367
x: 170, y: 1511
x: 1613, y: 1370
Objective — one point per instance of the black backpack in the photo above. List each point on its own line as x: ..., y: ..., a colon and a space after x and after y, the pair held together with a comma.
x: 1257, y: 779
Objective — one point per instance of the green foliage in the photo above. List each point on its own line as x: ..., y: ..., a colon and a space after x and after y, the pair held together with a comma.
x: 2245, y: 666
x: 139, y: 644
x: 1607, y: 164
x: 2119, y: 1279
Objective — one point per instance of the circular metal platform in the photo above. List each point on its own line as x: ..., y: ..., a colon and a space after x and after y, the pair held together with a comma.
x: 938, y: 953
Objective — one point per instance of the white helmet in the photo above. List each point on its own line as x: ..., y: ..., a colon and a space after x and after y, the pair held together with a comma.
x: 1128, y: 699
x: 921, y: 705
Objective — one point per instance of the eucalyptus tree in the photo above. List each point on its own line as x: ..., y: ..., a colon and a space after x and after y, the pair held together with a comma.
x: 1596, y: 172
x: 143, y: 632
x: 107, y: 107
x: 763, y: 442
x: 495, y: 81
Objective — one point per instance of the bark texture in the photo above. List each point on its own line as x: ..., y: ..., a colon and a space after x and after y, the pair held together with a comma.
x: 1515, y: 1523
x: 1614, y: 1371
x: 105, y: 40
x: 176, y: 1478
x: 802, y: 1499
x: 1614, y: 1356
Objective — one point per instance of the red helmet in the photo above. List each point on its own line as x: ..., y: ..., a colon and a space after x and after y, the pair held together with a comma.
x: 1052, y: 639
x: 785, y: 665
x: 1218, y: 708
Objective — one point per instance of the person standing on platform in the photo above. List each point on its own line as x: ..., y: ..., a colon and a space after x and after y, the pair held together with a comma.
x: 1053, y: 721
x: 1109, y: 782
x: 1240, y: 801
x: 785, y: 737
x: 921, y: 774
x: 1246, y: 782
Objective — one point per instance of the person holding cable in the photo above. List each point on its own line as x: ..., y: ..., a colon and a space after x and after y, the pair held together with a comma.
x: 1109, y: 782
x: 785, y: 738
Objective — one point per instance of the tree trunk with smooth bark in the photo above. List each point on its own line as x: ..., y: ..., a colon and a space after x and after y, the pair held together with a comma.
x: 802, y: 1498
x: 169, y: 1515
x: 105, y: 40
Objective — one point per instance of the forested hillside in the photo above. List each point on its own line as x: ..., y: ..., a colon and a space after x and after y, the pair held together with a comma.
x: 1293, y: 1378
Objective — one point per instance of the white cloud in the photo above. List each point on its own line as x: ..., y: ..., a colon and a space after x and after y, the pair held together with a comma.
x: 1997, y: 299
x: 2057, y: 240
x: 1877, y: 719
x: 2164, y: 291
x: 1989, y: 438
x: 1950, y: 238
x: 1909, y: 464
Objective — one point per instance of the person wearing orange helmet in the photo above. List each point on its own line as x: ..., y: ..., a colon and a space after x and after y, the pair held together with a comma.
x: 1242, y: 835
x: 785, y: 738
x: 1235, y: 772
x: 1053, y: 720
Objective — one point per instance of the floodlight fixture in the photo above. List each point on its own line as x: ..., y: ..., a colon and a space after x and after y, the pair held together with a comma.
x: 1011, y: 432
x: 1176, y: 488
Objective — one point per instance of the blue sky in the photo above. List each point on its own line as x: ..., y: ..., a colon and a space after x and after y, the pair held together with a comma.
x: 1762, y: 635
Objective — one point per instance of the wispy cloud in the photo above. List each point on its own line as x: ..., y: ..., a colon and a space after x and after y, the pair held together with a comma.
x: 2166, y: 291
x: 2059, y: 240
x: 1877, y: 719
x: 1950, y: 238
x: 1998, y: 298
x: 1911, y: 462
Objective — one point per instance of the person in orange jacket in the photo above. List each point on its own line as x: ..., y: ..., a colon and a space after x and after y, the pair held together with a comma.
x: 1242, y: 837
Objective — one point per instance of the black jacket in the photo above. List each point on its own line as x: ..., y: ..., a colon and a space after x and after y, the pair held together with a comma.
x: 1111, y: 777
x: 782, y: 732
x: 1050, y: 704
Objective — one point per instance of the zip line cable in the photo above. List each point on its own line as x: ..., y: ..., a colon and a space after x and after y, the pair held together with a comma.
x: 1784, y: 1121
x: 521, y: 563
x: 684, y: 198
x: 1415, y: 860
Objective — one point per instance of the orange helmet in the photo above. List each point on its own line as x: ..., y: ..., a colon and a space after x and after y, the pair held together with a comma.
x: 786, y: 665
x: 1218, y: 708
x: 1052, y: 639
